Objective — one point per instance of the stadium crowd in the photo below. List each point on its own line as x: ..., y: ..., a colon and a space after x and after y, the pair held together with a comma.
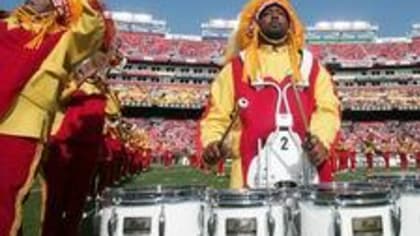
x: 162, y: 95
x: 156, y: 46
x: 141, y: 45
x: 380, y: 98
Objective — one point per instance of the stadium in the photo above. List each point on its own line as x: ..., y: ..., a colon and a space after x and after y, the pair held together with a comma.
x: 164, y: 88
x: 165, y: 84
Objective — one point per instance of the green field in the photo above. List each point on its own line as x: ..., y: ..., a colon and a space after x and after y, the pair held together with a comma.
x: 177, y: 175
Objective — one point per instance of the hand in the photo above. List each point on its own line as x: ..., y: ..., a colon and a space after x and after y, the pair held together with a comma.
x: 317, y: 152
x: 214, y: 152
x: 62, y: 8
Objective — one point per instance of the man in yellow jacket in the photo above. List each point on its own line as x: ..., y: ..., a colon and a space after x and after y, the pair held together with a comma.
x: 268, y: 48
x: 40, y: 43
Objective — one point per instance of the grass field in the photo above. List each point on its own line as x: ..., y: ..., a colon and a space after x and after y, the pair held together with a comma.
x: 175, y: 176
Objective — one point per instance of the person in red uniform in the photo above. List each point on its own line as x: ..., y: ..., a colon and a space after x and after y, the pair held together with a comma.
x: 269, y: 47
x: 167, y: 157
x: 351, y: 143
x: 41, y: 42
x: 403, y: 149
x: 416, y: 149
x: 342, y: 153
x: 386, y: 153
x: 75, y: 148
x: 369, y: 150
x: 106, y: 167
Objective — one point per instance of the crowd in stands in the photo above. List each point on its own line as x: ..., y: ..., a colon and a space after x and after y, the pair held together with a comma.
x: 360, y: 51
x: 195, y: 96
x: 180, y: 136
x: 157, y: 47
x: 162, y: 49
x: 380, y: 98
x: 176, y: 136
x: 162, y: 95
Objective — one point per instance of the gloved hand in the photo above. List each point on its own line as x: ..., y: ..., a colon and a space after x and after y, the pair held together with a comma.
x: 214, y: 152
x: 317, y: 152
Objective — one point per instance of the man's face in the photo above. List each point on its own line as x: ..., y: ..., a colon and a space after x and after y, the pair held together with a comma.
x: 40, y: 6
x: 274, y: 22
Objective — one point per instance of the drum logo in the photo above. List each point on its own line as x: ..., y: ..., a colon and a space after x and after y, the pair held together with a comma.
x: 241, y: 227
x: 367, y: 226
x: 138, y: 226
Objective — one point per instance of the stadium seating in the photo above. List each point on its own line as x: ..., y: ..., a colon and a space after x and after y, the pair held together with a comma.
x: 157, y: 47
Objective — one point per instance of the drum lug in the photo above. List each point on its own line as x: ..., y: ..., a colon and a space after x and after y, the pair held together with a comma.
x: 295, y: 222
x: 113, y: 223
x: 201, y: 220
x: 337, y: 222
x: 271, y: 224
x: 396, y: 219
x: 211, y: 224
x: 162, y: 220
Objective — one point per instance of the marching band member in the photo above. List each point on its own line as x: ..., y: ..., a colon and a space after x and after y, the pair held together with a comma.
x: 369, y: 150
x: 343, y: 157
x: 280, y: 90
x: 75, y: 147
x: 41, y: 42
x: 386, y: 153
x: 403, y: 150
x: 416, y: 148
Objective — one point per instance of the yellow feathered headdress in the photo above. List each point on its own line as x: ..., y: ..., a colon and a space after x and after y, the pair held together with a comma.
x: 245, y: 37
x: 66, y: 13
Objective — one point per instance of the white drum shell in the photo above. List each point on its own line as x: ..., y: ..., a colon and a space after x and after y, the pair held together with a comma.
x: 180, y: 218
x: 258, y: 212
x: 410, y: 214
x: 319, y: 220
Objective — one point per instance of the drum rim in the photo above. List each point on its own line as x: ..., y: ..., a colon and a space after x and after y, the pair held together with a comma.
x: 151, y: 195
x: 363, y: 194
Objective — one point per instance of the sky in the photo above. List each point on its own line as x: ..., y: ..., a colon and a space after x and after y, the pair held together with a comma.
x: 394, y: 17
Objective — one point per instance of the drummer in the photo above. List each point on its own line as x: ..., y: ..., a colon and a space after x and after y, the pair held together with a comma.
x: 386, y: 151
x: 268, y: 46
x: 403, y: 149
x: 416, y: 151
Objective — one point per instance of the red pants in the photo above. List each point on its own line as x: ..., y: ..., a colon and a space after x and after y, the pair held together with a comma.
x: 68, y: 177
x: 369, y: 160
x: 403, y: 161
x: 387, y: 156
x: 418, y: 160
x: 352, y: 156
x: 167, y: 160
x: 19, y: 158
x: 343, y: 161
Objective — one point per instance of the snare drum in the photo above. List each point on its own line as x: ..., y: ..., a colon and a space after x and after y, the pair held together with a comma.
x: 153, y: 211
x: 246, y: 213
x: 406, y: 187
x: 347, y: 209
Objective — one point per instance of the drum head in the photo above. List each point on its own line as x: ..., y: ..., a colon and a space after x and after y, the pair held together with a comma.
x: 348, y: 194
x: 152, y: 195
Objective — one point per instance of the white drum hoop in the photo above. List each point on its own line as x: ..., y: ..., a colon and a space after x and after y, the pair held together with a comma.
x: 348, y: 194
x: 151, y: 195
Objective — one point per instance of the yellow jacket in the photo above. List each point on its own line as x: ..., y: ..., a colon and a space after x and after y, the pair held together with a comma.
x: 325, y: 121
x: 32, y: 114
